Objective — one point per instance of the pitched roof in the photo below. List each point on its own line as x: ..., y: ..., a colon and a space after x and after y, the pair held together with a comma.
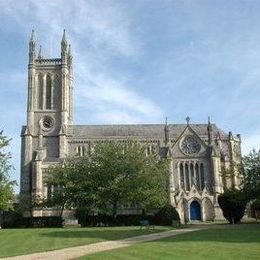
x: 153, y: 131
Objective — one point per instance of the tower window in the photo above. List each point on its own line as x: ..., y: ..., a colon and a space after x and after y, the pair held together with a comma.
x: 48, y: 92
x: 40, y: 91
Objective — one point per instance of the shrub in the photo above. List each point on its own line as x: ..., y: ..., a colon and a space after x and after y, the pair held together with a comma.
x: 166, y: 215
x: 233, y: 203
x: 12, y: 219
x: 15, y: 220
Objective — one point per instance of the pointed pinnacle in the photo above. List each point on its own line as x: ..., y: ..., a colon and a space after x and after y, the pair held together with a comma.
x: 209, y: 120
x: 64, y: 36
x: 188, y: 120
x: 32, y: 36
x: 40, y: 53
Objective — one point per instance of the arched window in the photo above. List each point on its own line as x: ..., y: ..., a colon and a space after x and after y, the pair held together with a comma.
x: 81, y: 151
x: 56, y: 92
x: 40, y: 91
x: 202, y: 178
x: 192, y: 181
x: 48, y: 92
x: 181, y: 175
x: 197, y: 176
x: 148, y: 150
x: 187, y: 177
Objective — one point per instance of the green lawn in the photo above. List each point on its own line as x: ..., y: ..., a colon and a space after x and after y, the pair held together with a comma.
x: 25, y: 241
x: 236, y: 242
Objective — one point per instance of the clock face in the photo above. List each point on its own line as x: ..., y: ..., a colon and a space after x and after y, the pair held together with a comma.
x: 47, y: 123
x: 190, y: 145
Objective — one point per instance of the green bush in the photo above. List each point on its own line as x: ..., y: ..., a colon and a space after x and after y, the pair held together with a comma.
x: 166, y: 215
x: 233, y: 203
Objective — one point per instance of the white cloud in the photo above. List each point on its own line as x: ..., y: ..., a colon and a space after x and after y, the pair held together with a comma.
x: 250, y: 142
x: 96, y: 32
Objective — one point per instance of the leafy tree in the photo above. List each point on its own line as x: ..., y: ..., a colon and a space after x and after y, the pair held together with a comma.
x: 256, y: 208
x: 251, y: 174
x: 59, y: 179
x: 6, y: 186
x: 128, y: 175
x: 233, y: 203
x: 114, y: 174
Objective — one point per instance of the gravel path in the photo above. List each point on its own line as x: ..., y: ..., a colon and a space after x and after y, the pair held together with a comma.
x: 74, y: 252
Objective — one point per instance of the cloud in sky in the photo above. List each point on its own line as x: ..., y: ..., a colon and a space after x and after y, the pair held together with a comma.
x: 102, y: 29
x: 138, y: 61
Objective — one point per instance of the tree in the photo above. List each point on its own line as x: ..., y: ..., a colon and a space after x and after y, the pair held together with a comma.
x: 233, y: 203
x: 128, y: 175
x: 166, y: 215
x: 6, y: 186
x: 114, y: 174
x: 59, y: 180
x: 256, y: 208
x: 251, y: 174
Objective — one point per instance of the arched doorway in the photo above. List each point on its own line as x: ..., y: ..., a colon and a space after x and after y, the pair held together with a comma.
x: 195, y: 211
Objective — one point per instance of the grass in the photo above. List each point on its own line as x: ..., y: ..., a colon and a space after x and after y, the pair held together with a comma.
x: 226, y: 242
x: 26, y: 241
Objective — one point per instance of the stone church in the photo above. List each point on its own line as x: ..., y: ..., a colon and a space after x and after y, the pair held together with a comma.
x: 199, y: 153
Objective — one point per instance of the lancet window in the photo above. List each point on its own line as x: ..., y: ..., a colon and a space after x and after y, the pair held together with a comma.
x: 48, y: 99
x: 81, y: 150
x: 40, y: 91
x: 190, y: 174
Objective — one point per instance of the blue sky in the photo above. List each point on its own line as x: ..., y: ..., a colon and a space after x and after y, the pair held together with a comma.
x: 141, y: 60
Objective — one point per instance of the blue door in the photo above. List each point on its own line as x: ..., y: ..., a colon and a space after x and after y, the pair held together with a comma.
x: 195, y: 212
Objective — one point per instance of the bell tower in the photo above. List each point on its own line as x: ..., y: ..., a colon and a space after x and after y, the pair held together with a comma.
x: 49, y: 113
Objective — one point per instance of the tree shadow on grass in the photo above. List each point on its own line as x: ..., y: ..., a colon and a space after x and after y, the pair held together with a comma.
x: 100, y: 234
x: 229, y: 234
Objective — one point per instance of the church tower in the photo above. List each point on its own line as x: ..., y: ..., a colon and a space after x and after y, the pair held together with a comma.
x: 49, y: 113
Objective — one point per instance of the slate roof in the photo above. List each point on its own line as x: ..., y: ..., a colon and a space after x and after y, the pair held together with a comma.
x: 153, y: 131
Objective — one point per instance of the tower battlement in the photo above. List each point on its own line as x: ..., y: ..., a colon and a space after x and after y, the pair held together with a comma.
x: 56, y: 61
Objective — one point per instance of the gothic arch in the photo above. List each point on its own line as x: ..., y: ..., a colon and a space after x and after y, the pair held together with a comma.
x: 195, y: 210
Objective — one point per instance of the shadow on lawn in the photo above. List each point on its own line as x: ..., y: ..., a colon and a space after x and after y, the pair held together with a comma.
x: 240, y: 233
x: 245, y: 233
x: 104, y: 234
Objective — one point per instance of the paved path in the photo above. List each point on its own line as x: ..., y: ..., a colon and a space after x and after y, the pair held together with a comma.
x: 74, y: 252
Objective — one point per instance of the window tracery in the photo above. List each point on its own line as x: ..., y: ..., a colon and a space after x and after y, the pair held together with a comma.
x: 191, y: 173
